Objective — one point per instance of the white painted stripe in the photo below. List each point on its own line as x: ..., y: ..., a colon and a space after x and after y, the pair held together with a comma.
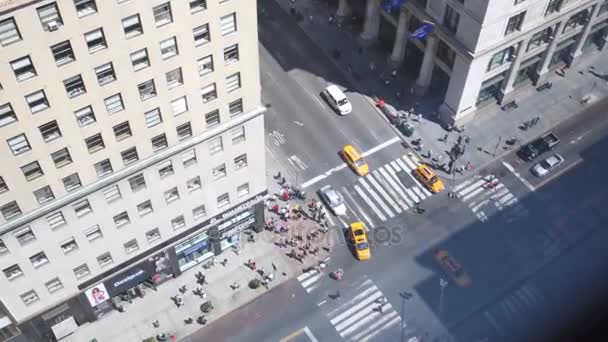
x: 311, y: 280
x: 482, y: 216
x: 342, y: 222
x: 359, y: 297
x: 411, y: 193
x: 522, y: 179
x: 393, y: 187
x: 472, y: 194
x: 370, y: 203
x: 394, y: 321
x: 310, y: 335
x: 501, y: 193
x: 361, y: 211
x: 360, y: 321
x: 476, y: 207
x: 374, y: 178
x: 323, y: 176
x: 470, y: 188
x: 505, y: 199
x: 412, y: 165
x: 376, y: 324
x: 513, y: 201
x: 331, y: 220
x: 420, y: 186
x: 376, y: 197
x: 398, y: 185
x: 379, y: 147
x: 356, y: 317
x: 494, y: 323
x: 312, y: 288
x: 458, y: 187
x: 357, y: 307
x: 303, y: 276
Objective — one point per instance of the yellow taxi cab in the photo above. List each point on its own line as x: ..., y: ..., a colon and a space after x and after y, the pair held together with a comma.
x: 354, y: 160
x: 359, y: 238
x: 453, y: 268
x: 428, y: 177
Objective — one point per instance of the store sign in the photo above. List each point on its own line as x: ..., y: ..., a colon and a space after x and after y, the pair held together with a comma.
x: 130, y: 278
x: 238, y: 227
x: 238, y: 208
x: 196, y: 247
x: 97, y: 294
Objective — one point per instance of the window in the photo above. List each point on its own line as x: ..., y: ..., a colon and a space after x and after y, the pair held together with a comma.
x: 193, y: 184
x: 137, y: 182
x: 7, y: 115
x: 159, y: 142
x: 81, y: 208
x: 85, y: 116
x: 105, y: 259
x: 121, y: 219
x: 235, y: 107
x: 501, y: 58
x: 162, y: 14
x: 85, y: 7
x: 153, y: 117
x: 237, y: 134
x: 50, y: 131
x: 539, y: 39
x: 95, y: 40
x: 9, y: 33
x: 44, y: 194
x: 168, y: 48
x: 23, y: 68
x: 576, y: 20
x: 39, y: 259
x: 514, y: 23
x: 223, y: 200
x: 179, y: 106
x: 32, y: 171
x: 233, y: 82
x: 140, y: 60
x: 242, y: 190
x: 197, y: 5
x: 13, y: 272
x: 3, y: 186
x: 112, y: 193
x: 215, y: 145
x: 103, y: 168
x: 144, y: 208
x: 212, y: 118
x: 231, y: 54
x: 129, y: 156
x: 184, y: 131
x: 446, y: 54
x: 554, y: 6
x: 165, y: 169
x: 24, y: 235
x: 199, y: 212
x: 132, y: 26
x: 56, y: 220
x: 19, y: 144
x: 189, y: 158
x: 72, y: 182
x: 63, y: 53
x: 93, y: 233
x: 240, y: 162
x: 178, y: 222
x: 81, y: 271
x: 105, y: 74
x: 37, y: 101
x: 201, y: 35
x: 131, y: 246
x: 174, y: 78
x: 451, y: 19
x: 74, y: 86
x: 69, y: 245
x: 50, y: 18
x: 146, y: 90
x: 29, y: 297
x: 219, y: 172
x: 10, y: 210
x: 171, y: 195
x: 53, y: 285
x: 516, y: 1
x: 114, y: 103
x: 205, y: 65
x: 153, y: 235
x: 228, y: 24
x: 61, y: 158
x: 122, y: 131
x: 3, y: 248
x: 95, y: 143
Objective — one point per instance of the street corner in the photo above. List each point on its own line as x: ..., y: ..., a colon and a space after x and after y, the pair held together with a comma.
x: 301, y: 335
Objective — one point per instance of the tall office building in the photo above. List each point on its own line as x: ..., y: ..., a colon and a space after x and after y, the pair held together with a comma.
x: 483, y: 52
x: 132, y: 149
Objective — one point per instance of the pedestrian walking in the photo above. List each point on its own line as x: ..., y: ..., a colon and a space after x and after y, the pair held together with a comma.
x: 445, y: 138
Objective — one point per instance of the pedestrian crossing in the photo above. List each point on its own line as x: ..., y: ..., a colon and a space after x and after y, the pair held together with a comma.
x: 310, y: 280
x: 516, y: 310
x: 385, y: 192
x: 484, y: 201
x: 365, y: 315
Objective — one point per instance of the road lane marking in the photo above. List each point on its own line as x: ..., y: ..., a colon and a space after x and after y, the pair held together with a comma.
x: 362, y: 304
x: 472, y: 194
x: 393, y: 186
x: 394, y: 321
x: 522, y: 179
x: 296, y: 333
x: 357, y: 298
x: 370, y: 203
x: 379, y: 147
x: 400, y: 187
x: 360, y: 318
x: 560, y: 172
x: 296, y: 161
x: 470, y: 188
x: 361, y: 211
x: 458, y: 187
x: 409, y: 191
x: 372, y: 179
x: 376, y: 197
x: 372, y: 327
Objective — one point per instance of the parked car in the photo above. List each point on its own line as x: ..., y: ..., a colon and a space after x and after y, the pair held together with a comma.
x: 333, y: 200
x: 336, y: 99
x: 538, y: 146
x: 544, y: 167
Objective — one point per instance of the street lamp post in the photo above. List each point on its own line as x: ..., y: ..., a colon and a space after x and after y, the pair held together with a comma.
x: 404, y: 296
x: 496, y: 147
x: 442, y: 285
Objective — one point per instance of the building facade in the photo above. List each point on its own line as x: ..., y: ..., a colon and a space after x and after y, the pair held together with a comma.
x: 483, y: 52
x: 133, y: 149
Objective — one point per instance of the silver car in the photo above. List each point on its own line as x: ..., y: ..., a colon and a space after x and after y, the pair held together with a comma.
x: 333, y: 200
x: 544, y: 167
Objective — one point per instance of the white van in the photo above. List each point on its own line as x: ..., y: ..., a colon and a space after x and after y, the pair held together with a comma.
x: 336, y: 99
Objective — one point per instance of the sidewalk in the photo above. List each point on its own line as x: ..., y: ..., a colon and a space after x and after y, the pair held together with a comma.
x: 490, y: 128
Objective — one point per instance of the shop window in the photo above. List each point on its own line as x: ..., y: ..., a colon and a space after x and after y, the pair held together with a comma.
x: 539, y: 38
x: 576, y: 20
x: 501, y: 58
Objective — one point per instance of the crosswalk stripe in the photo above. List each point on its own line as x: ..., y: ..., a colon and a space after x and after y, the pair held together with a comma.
x: 416, y: 189
x: 375, y: 325
x: 471, y: 187
x: 474, y: 207
x: 400, y: 187
x: 357, y: 298
x: 394, y: 188
x: 494, y: 323
x: 413, y: 166
x: 336, y: 320
x: 305, y: 275
x: 311, y: 280
x: 409, y: 163
x: 331, y: 220
x: 397, y: 168
x: 370, y: 203
x: 376, y: 197
x: 360, y: 319
x: 502, y: 190
x: 312, y: 288
x: 511, y: 202
x: 505, y: 199
x: 388, y: 325
x: 459, y: 187
x: 361, y: 211
x: 356, y: 318
x: 374, y: 179
x: 472, y: 194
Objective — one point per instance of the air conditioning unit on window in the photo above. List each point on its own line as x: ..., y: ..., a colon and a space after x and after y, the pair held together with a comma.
x: 53, y: 25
